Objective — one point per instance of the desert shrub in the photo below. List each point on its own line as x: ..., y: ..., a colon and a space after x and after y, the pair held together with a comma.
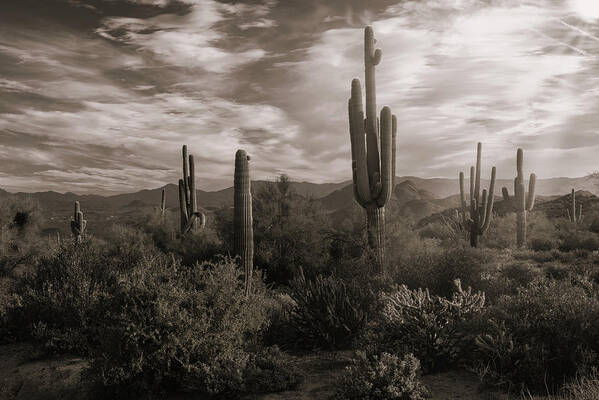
x: 52, y: 305
x: 581, y: 388
x: 197, y: 246
x: 437, y: 268
x: 433, y: 328
x: 381, y: 377
x: 579, y: 240
x: 450, y: 230
x: 267, y: 372
x: 539, y: 243
x: 329, y: 312
x: 541, y: 336
x: 167, y: 327
x: 594, y: 227
x: 20, y: 243
x: 520, y: 273
x: 501, y: 233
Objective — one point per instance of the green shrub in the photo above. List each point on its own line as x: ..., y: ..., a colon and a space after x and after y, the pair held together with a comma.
x: 164, y: 327
x: 329, y: 312
x: 381, y: 377
x: 434, y: 328
x: 541, y: 336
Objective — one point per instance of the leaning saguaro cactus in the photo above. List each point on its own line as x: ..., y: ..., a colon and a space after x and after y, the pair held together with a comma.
x: 187, y: 196
x: 78, y: 224
x: 372, y: 149
x: 521, y: 203
x: 574, y: 214
x: 242, y: 216
x: 481, y: 209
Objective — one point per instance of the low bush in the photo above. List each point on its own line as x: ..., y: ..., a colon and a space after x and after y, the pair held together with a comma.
x: 329, y: 312
x: 540, y: 337
x: 166, y: 327
x: 52, y: 305
x: 381, y: 377
x: 433, y: 328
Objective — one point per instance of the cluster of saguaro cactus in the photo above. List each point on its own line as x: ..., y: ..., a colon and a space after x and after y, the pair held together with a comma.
x: 78, y: 224
x: 481, y: 208
x: 190, y: 217
x: 521, y: 202
x: 242, y: 216
x: 163, y: 202
x: 574, y: 214
x: 372, y: 149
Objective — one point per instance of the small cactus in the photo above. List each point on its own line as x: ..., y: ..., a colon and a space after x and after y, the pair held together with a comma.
x: 187, y: 197
x: 78, y: 224
x: 574, y: 214
x: 242, y: 216
x: 373, y: 149
x: 481, y: 209
x: 520, y: 202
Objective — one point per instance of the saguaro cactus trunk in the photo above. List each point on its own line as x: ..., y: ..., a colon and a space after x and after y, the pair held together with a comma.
x: 521, y: 202
x: 242, y: 217
x: 187, y: 196
x: 373, y: 150
x: 481, y: 209
x: 574, y: 214
x: 78, y: 224
x: 163, y: 202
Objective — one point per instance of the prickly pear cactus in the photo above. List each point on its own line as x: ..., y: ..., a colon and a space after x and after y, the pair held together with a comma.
x: 373, y: 149
x: 187, y: 197
x: 521, y: 202
x: 242, y: 216
x: 78, y: 224
x: 481, y: 209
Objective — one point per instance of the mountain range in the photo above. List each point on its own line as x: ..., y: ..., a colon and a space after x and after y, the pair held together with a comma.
x: 414, y: 197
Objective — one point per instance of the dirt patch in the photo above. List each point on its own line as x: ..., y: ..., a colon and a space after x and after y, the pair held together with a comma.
x: 23, y: 378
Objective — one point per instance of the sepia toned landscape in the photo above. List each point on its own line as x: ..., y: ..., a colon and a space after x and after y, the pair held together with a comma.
x: 210, y: 199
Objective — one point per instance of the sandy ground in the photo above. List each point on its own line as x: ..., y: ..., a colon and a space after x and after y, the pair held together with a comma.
x: 23, y: 378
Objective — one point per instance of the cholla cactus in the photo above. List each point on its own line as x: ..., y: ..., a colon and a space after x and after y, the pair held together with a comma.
x: 187, y: 197
x: 481, y: 209
x: 242, y: 216
x: 574, y: 214
x: 373, y: 170
x: 521, y: 203
x: 78, y: 224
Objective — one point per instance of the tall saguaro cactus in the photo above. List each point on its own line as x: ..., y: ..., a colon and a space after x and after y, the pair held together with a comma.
x: 163, y: 202
x: 372, y: 149
x: 242, y: 216
x: 187, y: 196
x: 78, y: 224
x: 481, y: 208
x: 520, y: 202
x: 574, y: 214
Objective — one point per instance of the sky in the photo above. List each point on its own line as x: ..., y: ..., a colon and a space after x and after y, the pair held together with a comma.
x: 98, y: 96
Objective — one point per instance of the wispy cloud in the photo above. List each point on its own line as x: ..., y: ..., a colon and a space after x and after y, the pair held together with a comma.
x: 101, y: 101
